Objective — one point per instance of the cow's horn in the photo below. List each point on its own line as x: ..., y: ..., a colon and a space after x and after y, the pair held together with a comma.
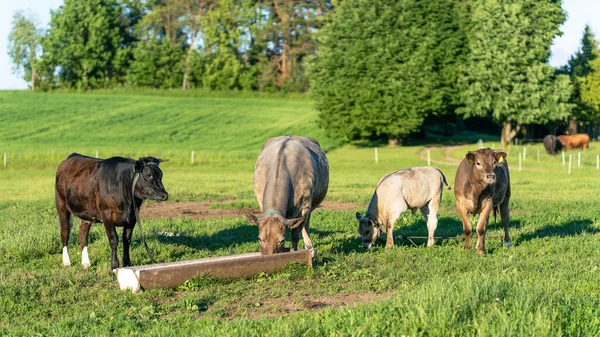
x: 160, y: 160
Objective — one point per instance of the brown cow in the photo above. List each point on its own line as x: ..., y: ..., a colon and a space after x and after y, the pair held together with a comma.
x: 581, y: 140
x: 482, y: 183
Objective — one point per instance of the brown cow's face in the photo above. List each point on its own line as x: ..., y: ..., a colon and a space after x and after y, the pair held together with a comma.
x: 271, y: 232
x: 149, y: 184
x: 368, y: 230
x: 484, y: 161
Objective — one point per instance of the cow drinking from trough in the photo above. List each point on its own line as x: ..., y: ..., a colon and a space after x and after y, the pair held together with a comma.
x: 291, y: 177
x: 412, y: 188
x: 97, y: 190
x: 482, y: 184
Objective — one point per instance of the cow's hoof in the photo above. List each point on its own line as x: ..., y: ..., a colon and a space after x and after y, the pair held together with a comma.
x: 86, y: 265
x: 506, y: 244
x: 469, y: 247
x: 387, y: 245
x: 480, y: 252
x: 313, y: 252
x: 67, y: 264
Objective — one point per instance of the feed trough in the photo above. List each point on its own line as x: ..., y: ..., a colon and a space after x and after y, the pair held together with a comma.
x: 172, y: 274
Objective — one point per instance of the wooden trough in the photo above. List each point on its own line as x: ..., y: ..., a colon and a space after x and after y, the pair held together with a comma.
x: 172, y: 274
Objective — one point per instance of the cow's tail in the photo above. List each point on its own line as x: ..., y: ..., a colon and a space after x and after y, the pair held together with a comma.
x: 444, y: 179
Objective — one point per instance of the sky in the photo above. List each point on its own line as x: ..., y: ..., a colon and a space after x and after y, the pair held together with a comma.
x: 580, y: 13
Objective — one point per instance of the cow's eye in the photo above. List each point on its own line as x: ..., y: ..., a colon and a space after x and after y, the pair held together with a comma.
x: 478, y: 164
x: 495, y: 162
x: 282, y: 242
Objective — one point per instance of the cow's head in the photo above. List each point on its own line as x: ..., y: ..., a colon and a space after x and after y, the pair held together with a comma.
x: 368, y: 230
x: 149, y: 184
x: 484, y: 161
x: 271, y: 231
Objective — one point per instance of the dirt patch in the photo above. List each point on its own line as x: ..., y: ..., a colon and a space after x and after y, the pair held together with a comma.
x: 202, y: 209
x: 447, y: 160
x: 274, y: 307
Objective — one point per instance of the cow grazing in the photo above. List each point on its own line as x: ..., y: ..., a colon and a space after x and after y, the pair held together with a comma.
x: 569, y: 142
x: 291, y: 177
x: 97, y: 190
x: 411, y: 188
x: 552, y: 144
x: 482, y: 184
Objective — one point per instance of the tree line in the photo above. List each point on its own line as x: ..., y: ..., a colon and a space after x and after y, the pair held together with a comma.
x: 376, y: 68
x: 213, y: 44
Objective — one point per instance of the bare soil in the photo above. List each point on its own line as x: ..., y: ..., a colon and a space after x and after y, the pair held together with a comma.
x: 202, y: 209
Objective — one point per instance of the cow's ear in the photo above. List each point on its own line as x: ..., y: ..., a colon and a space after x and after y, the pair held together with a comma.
x: 252, y: 219
x: 358, y: 216
x: 500, y: 156
x: 293, y: 223
x: 470, y: 157
x: 138, y: 166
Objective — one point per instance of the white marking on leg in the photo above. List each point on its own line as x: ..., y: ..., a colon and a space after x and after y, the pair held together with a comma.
x: 85, y: 258
x: 506, y: 244
x: 65, y: 257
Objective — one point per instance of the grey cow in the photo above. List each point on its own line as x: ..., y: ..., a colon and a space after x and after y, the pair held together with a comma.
x: 411, y: 188
x: 291, y: 177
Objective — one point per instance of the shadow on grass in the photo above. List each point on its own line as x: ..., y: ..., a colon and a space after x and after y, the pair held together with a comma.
x: 433, y: 140
x: 570, y: 228
x: 222, y: 239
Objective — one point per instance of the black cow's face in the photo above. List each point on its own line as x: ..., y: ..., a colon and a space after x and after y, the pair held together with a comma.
x: 149, y: 184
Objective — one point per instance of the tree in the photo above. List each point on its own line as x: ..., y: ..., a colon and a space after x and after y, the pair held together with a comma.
x: 579, y: 67
x: 24, y: 46
x: 83, y: 39
x: 590, y: 89
x: 506, y: 75
x: 196, y: 11
x: 383, y: 66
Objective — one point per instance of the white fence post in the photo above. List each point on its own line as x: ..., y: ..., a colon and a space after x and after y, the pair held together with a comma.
x: 524, y: 153
x: 192, y: 159
x: 597, y: 162
x: 428, y: 158
x: 4, y: 159
x: 538, y: 156
x: 578, y: 159
x: 520, y: 161
x: 96, y: 153
x: 376, y: 156
x: 570, y: 158
x: 563, y: 155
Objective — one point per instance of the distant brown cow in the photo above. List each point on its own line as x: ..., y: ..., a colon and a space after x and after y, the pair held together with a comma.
x: 482, y: 184
x: 574, y: 141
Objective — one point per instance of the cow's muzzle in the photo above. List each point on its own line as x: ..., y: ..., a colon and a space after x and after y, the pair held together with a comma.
x: 490, y: 178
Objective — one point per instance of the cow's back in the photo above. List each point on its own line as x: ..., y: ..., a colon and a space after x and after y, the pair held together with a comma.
x: 416, y: 185
x: 299, y: 157
x: 75, y: 183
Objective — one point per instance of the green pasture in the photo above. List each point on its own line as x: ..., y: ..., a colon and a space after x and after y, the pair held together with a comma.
x: 547, y: 284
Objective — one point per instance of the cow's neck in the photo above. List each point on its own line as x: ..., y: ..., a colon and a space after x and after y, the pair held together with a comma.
x: 278, y: 191
x: 373, y: 212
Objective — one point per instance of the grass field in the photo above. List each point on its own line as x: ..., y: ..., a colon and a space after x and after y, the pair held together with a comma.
x: 547, y: 284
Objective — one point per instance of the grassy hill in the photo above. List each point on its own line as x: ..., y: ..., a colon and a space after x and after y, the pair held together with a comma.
x: 545, y: 285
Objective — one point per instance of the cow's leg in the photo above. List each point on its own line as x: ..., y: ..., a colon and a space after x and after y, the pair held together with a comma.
x: 127, y: 232
x: 84, y: 230
x: 430, y: 215
x: 296, y: 236
x: 308, y: 244
x: 393, y: 215
x: 467, y: 229
x: 64, y: 217
x: 113, y: 240
x: 505, y: 215
x: 482, y: 226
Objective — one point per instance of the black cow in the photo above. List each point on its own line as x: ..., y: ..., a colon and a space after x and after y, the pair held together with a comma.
x: 97, y: 190
x: 552, y: 144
